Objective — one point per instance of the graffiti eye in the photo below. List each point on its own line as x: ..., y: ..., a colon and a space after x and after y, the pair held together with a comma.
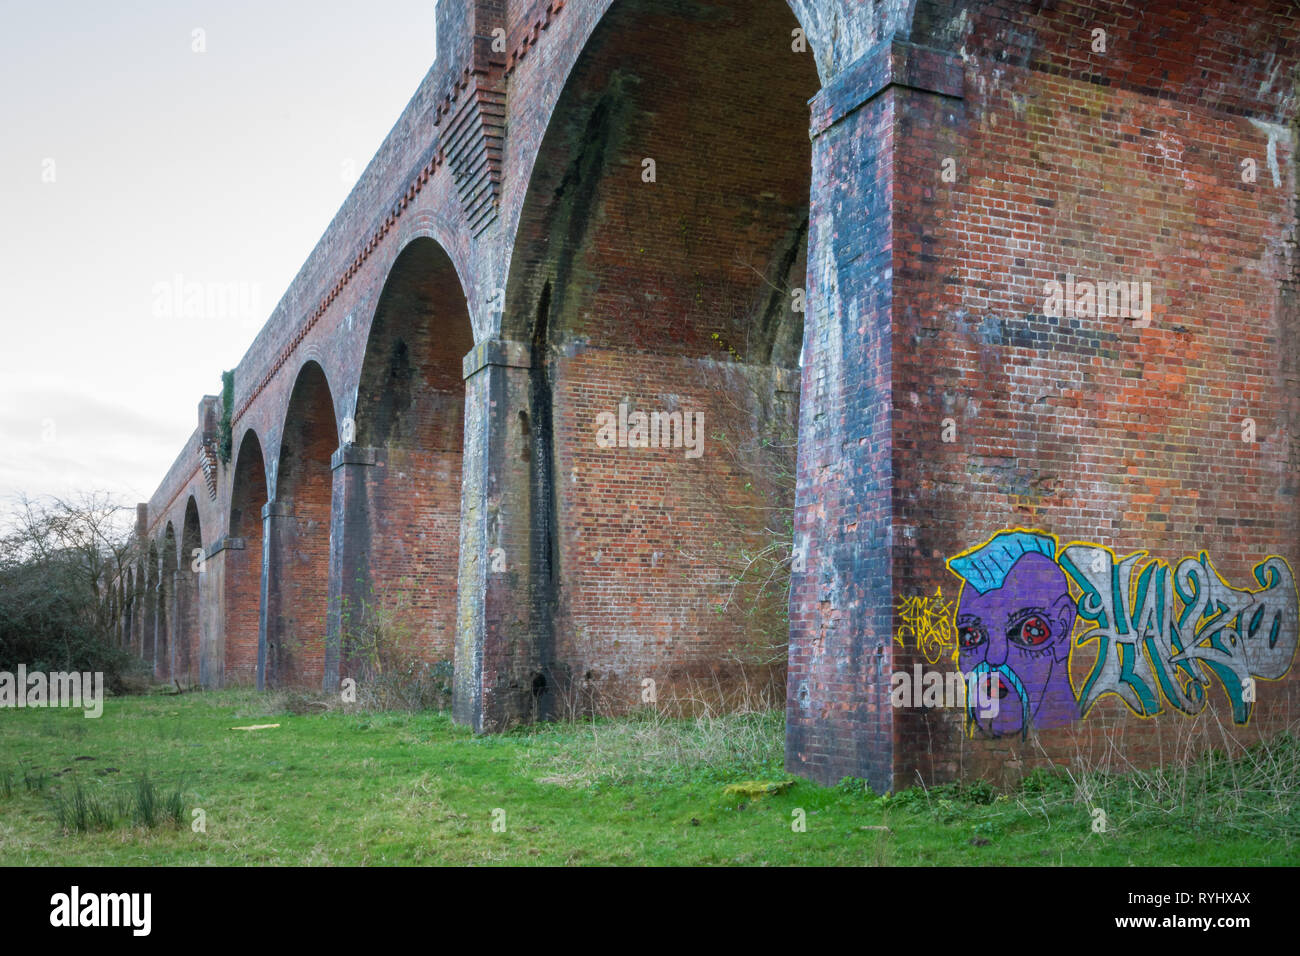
x: 970, y: 635
x: 1031, y: 632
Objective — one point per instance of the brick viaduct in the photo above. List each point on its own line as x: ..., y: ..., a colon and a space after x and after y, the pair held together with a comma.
x: 848, y: 234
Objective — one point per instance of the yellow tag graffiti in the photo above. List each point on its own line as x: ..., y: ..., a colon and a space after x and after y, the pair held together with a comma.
x: 927, y: 622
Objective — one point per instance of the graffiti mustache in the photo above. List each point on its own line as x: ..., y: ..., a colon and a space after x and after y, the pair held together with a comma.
x: 984, y: 674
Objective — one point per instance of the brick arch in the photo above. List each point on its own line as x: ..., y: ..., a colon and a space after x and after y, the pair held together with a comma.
x: 398, y: 486
x: 736, y: 173
x: 677, y: 297
x: 235, y: 654
x: 297, y: 547
x: 327, y: 355
x: 209, y: 511
x: 418, y: 337
x: 571, y: 41
x: 188, y: 593
x: 451, y: 237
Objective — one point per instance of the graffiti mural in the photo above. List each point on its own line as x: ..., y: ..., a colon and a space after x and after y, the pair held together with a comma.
x: 1014, y: 620
x: 1158, y: 635
x: 1148, y: 654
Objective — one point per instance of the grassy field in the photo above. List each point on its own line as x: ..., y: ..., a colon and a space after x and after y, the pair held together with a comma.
x: 412, y: 788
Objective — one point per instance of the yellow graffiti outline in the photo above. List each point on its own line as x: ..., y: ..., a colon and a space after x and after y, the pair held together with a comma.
x: 1088, y: 627
x: 1295, y: 650
x: 1163, y: 703
x: 1227, y: 584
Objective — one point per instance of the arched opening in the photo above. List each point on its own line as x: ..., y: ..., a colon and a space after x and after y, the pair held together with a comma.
x: 658, y: 275
x: 165, y: 659
x: 187, y: 596
x: 299, y: 524
x: 403, y: 503
x: 237, y: 660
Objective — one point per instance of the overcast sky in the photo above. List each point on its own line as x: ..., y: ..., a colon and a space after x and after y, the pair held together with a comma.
x: 130, y: 164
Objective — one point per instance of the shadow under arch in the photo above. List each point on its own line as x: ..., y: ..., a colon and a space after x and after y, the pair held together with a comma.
x: 188, y: 595
x: 291, y: 651
x: 234, y: 656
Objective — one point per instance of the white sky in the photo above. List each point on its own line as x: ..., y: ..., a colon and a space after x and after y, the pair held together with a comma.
x: 222, y: 168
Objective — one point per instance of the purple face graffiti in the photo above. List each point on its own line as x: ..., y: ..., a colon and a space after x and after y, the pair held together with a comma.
x: 1014, y: 621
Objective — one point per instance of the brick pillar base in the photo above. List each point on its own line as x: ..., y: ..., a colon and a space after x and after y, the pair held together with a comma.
x: 175, y: 628
x: 159, y: 627
x: 839, y: 722
x: 212, y: 613
x: 349, y: 581
x: 278, y: 527
x: 501, y: 596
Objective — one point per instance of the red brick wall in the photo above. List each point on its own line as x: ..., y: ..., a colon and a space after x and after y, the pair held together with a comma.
x: 650, y: 538
x: 414, y: 502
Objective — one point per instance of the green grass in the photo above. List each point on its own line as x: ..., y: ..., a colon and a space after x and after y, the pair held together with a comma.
x: 410, y: 788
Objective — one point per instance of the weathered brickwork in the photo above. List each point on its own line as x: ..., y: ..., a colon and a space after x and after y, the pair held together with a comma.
x: 886, y: 191
x: 1115, y: 166
x: 1088, y: 428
